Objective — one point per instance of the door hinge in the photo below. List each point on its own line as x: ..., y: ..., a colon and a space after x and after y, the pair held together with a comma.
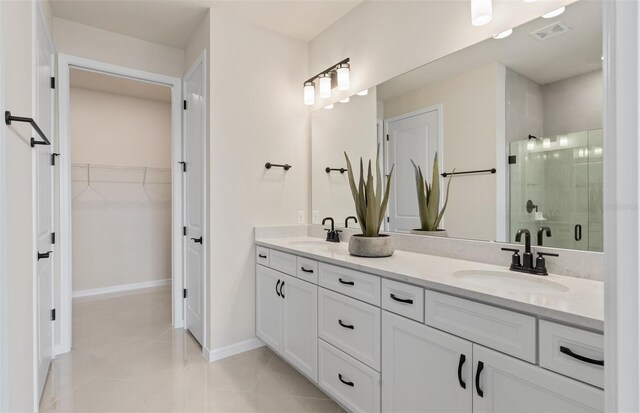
x: 388, y: 219
x: 184, y: 166
x: 53, y: 237
x: 53, y: 314
x: 53, y: 158
x: 184, y: 231
x: 184, y: 293
x: 184, y: 104
x: 387, y: 136
x: 512, y: 159
x: 53, y: 82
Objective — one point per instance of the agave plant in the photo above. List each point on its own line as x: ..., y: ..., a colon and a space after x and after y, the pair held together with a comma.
x: 429, y: 197
x: 370, y: 205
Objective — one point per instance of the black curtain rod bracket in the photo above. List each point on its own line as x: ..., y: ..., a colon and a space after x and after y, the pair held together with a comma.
x: 8, y: 118
x: 480, y: 171
x: 328, y: 169
x: 286, y: 166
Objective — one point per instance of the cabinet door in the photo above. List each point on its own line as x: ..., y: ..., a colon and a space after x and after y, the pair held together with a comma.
x: 505, y: 384
x: 268, y: 306
x: 300, y: 325
x: 423, y: 369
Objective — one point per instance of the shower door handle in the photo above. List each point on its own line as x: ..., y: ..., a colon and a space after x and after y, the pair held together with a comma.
x: 577, y: 232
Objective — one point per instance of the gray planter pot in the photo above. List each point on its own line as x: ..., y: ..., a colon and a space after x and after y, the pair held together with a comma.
x: 371, y: 247
x: 438, y: 233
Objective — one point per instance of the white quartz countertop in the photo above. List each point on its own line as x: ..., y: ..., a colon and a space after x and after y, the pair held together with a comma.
x: 575, y: 301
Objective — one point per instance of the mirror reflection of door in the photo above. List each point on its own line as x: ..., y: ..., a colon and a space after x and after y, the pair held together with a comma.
x: 411, y: 137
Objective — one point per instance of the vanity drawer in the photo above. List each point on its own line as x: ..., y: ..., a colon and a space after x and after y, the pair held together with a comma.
x: 350, y: 325
x: 365, y: 287
x: 351, y: 383
x: 262, y: 256
x: 404, y: 299
x: 283, y: 262
x: 307, y: 269
x: 573, y: 352
x: 503, y: 330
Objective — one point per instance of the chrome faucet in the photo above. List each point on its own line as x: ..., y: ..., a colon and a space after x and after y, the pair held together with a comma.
x: 527, y: 266
x: 333, y: 234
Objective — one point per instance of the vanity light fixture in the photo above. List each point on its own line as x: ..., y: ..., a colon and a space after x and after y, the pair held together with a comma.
x: 503, y: 34
x: 363, y: 93
x: 345, y: 100
x: 336, y: 75
x: 309, y: 93
x: 481, y: 12
x: 553, y: 13
x: 329, y: 107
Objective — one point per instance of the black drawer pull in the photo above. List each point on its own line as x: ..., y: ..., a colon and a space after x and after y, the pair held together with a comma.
x: 346, y: 282
x: 197, y: 240
x: 568, y: 352
x: 42, y: 255
x: 348, y: 383
x: 349, y: 326
x: 262, y: 256
x: 463, y: 358
x: 306, y: 270
x: 478, y: 372
x: 281, y: 287
x: 402, y: 300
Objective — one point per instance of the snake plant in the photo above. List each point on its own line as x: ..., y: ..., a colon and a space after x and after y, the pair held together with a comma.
x: 429, y: 197
x: 370, y: 205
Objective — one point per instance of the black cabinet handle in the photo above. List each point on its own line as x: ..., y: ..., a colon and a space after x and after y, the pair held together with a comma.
x: 278, y: 284
x: 262, y: 256
x: 568, y: 352
x: 478, y: 371
x: 281, y: 287
x: 306, y: 270
x: 402, y: 300
x: 42, y: 255
x: 348, y: 383
x: 577, y: 232
x: 346, y: 282
x: 349, y: 326
x: 197, y: 240
x: 463, y: 358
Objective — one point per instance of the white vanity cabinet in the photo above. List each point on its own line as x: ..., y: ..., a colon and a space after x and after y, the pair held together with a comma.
x: 286, y: 318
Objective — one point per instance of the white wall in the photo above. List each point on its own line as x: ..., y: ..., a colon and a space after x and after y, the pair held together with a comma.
x: 89, y: 42
x: 524, y: 104
x: 470, y: 131
x: 121, y: 231
x: 349, y: 127
x: 257, y: 115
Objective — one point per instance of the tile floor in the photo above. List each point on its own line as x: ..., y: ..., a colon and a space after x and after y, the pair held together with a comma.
x: 127, y: 358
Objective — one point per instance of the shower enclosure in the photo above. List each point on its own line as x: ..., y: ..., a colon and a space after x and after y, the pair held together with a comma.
x: 556, y: 182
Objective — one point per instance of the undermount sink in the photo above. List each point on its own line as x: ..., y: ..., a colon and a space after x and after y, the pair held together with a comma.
x: 510, y: 281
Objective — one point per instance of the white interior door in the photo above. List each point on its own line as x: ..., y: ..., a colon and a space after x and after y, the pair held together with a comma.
x: 194, y: 148
x: 44, y: 204
x: 415, y: 136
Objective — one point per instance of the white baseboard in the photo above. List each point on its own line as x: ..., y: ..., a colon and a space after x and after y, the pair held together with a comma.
x: 232, y: 350
x: 120, y: 288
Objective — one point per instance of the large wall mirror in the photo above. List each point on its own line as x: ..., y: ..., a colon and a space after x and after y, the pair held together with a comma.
x: 519, y: 120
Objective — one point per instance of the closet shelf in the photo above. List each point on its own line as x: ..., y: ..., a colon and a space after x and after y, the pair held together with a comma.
x: 90, y: 173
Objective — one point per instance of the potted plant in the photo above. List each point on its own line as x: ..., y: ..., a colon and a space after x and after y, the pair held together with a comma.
x: 429, y: 202
x: 371, y: 206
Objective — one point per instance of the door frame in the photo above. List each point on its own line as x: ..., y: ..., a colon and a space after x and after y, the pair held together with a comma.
x: 201, y: 60
x: 4, y: 339
x: 65, y: 63
x: 439, y: 108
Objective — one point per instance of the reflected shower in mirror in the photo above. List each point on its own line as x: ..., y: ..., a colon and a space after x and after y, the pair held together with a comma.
x: 519, y: 119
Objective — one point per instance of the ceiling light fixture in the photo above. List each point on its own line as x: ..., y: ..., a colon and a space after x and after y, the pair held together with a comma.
x: 553, y: 13
x: 503, y: 34
x: 363, y: 93
x: 336, y: 75
x: 481, y: 12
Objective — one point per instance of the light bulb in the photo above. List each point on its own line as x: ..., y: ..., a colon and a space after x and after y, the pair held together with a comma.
x: 503, y: 34
x: 531, y: 146
x: 481, y: 12
x: 553, y: 13
x: 309, y: 93
x: 546, y: 143
x: 343, y: 76
x: 363, y: 93
x: 564, y: 141
x: 345, y: 100
x: 325, y: 85
x: 328, y: 107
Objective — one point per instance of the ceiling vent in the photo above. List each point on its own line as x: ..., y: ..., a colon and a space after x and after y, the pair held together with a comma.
x: 550, y: 31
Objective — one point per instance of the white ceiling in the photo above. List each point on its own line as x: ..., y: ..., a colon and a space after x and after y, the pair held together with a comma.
x: 569, y: 54
x: 171, y: 22
x: 120, y: 85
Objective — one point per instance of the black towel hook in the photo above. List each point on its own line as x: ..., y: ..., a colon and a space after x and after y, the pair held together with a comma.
x: 8, y: 118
